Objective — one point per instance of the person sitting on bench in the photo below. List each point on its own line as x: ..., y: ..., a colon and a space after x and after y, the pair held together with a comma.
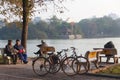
x: 10, y: 51
x: 109, y: 45
x: 21, y: 51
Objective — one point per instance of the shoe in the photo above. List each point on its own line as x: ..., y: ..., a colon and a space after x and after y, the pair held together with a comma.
x: 25, y: 62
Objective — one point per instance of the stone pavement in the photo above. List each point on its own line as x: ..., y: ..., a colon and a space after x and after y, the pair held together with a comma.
x: 25, y: 72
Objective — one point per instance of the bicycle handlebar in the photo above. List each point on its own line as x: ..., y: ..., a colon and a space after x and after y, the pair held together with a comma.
x: 65, y: 50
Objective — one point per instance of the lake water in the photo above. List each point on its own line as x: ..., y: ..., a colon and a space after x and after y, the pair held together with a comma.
x: 82, y: 45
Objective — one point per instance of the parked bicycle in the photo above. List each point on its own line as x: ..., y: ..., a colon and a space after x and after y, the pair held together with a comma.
x: 56, y: 60
x: 75, y: 64
x: 50, y: 64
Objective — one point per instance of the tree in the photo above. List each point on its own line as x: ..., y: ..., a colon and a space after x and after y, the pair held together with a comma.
x: 26, y: 12
x: 20, y: 9
x: 24, y: 9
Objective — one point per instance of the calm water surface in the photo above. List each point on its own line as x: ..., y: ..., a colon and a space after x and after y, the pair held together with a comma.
x: 82, y: 45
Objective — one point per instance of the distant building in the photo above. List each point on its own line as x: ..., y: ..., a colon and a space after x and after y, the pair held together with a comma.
x: 77, y: 36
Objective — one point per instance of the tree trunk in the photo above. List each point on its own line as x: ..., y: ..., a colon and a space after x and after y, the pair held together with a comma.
x: 25, y: 23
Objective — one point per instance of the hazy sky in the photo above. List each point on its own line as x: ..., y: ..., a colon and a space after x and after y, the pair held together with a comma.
x: 81, y: 9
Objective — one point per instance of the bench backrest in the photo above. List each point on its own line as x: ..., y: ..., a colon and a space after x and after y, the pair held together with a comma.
x: 91, y: 55
x: 108, y: 51
x: 48, y: 49
x: 2, y: 51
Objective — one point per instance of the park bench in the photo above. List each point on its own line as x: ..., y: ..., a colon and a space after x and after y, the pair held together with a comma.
x: 92, y: 57
x: 5, y: 59
x: 48, y: 49
x: 108, y: 51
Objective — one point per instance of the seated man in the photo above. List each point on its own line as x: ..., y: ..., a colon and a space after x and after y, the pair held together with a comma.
x: 41, y: 46
x: 21, y: 51
x: 10, y: 51
x: 109, y: 45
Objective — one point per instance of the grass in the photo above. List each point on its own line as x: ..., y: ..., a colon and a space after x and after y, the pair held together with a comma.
x: 1, y: 60
x: 114, y: 70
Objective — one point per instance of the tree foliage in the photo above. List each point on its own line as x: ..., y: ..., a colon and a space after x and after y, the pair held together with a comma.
x: 100, y: 27
x: 23, y: 10
x: 58, y: 29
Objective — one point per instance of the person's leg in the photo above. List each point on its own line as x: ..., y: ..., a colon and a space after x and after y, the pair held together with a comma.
x: 108, y: 58
x: 25, y: 57
x: 14, y: 58
x: 21, y: 56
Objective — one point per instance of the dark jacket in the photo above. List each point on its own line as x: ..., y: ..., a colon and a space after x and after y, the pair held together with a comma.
x: 20, y: 47
x: 109, y: 45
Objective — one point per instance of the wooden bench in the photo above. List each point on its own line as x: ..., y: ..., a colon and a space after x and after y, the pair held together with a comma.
x: 109, y: 51
x: 5, y: 59
x: 48, y: 49
x: 92, y: 57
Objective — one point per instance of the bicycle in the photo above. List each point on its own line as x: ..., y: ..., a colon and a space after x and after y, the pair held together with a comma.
x: 57, y: 63
x: 75, y: 64
x: 41, y: 66
x: 44, y: 65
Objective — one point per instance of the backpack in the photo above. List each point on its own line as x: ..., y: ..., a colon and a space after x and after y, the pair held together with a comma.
x: 55, y: 59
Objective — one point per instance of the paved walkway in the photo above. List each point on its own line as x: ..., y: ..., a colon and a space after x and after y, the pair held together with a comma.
x: 24, y: 72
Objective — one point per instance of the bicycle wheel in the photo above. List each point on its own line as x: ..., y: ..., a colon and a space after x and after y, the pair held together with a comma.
x: 41, y: 66
x: 54, y: 65
x: 80, y: 65
x: 67, y: 66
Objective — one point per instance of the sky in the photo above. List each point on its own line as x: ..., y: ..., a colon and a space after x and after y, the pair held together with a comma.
x: 82, y: 9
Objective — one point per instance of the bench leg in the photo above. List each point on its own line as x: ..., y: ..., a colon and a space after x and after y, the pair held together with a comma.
x: 100, y: 59
x: 88, y: 66
x: 9, y: 61
x: 96, y: 64
x: 115, y: 59
x: 85, y: 64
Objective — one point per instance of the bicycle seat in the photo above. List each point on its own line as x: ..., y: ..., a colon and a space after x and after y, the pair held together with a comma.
x: 50, y: 53
x: 59, y: 52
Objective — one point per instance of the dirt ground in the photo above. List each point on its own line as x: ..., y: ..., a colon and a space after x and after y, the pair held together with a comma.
x: 25, y: 72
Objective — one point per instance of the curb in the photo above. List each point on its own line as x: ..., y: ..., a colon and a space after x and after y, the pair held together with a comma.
x: 94, y: 72
x: 103, y: 75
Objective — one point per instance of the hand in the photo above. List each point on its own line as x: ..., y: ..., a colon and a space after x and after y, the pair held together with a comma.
x: 16, y: 51
x: 23, y: 50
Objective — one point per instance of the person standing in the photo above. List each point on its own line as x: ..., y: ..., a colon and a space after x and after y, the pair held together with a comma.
x: 21, y: 51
